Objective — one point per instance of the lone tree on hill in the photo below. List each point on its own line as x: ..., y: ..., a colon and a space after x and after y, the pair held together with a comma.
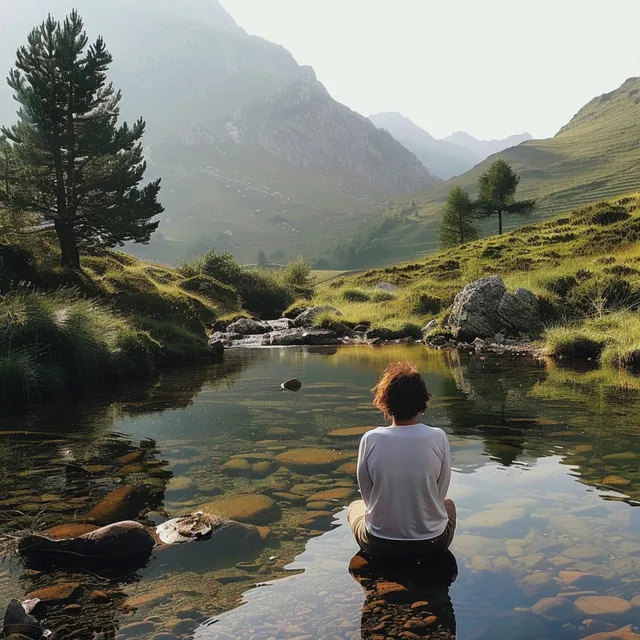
x: 456, y: 225
x: 78, y: 169
x: 497, y: 193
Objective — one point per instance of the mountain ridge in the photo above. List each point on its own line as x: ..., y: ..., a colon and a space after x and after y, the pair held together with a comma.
x: 253, y: 151
x: 445, y: 158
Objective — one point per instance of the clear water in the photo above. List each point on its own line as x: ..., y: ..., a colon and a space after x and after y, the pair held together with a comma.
x: 546, y: 482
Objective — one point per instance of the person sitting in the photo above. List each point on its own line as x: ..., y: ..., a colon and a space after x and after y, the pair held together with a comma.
x: 403, y: 472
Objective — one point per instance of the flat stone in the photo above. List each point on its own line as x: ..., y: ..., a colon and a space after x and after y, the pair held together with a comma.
x: 289, y: 497
x: 292, y: 385
x: 310, y: 460
x: 624, y: 633
x: 349, y: 432
x: 131, y: 458
x: 236, y: 467
x: 317, y: 519
x: 603, y: 605
x: 340, y: 494
x: 261, y: 468
x: 392, y: 591
x: 555, y: 608
x: 615, y: 481
x: 148, y: 599
x: 492, y: 518
x: 348, y: 468
x: 245, y: 507
x: 580, y: 579
x: 280, y: 432
x: 320, y: 506
x: 99, y: 597
x: 179, y: 484
x: 124, y: 503
x: 67, y: 531
x: 61, y: 592
x: 136, y: 629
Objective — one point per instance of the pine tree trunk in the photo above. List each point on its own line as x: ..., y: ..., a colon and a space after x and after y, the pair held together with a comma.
x: 500, y: 222
x: 69, y: 254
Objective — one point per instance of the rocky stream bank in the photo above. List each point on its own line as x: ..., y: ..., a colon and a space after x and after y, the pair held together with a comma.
x: 484, y: 318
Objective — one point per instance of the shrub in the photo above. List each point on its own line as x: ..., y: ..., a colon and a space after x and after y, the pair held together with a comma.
x: 295, y: 309
x: 382, y: 296
x: 603, y: 294
x: 332, y: 323
x: 261, y: 290
x: 356, y: 295
x: 424, y: 304
x: 297, y: 275
x: 559, y: 285
x: 411, y: 330
x: 567, y: 342
x: 600, y: 213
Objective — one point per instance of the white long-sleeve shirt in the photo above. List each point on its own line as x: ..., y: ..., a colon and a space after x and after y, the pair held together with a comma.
x: 404, y: 474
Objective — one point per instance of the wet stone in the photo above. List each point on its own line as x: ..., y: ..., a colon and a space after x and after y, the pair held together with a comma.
x: 249, y: 508
x: 603, y: 605
x: 61, y: 592
x: 311, y: 460
x: 136, y: 629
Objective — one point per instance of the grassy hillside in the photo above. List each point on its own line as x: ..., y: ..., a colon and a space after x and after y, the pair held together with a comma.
x: 594, y: 157
x: 585, y: 266
x: 117, y: 317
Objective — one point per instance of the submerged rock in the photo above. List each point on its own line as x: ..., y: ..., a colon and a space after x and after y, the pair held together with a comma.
x: 245, y: 507
x: 292, y: 385
x: 122, y: 504
x: 61, y: 592
x: 118, y: 540
x: 311, y: 460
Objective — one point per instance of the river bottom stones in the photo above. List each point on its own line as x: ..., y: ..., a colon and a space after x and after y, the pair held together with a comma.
x: 310, y: 461
x: 250, y: 508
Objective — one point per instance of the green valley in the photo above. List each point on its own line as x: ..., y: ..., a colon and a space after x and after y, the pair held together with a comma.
x: 594, y: 157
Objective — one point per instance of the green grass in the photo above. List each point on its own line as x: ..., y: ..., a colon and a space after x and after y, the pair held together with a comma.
x: 584, y: 266
x: 117, y: 317
x: 51, y: 342
x: 596, y: 156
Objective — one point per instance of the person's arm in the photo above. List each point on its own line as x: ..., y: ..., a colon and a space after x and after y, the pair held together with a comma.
x: 364, y: 479
x: 445, y: 472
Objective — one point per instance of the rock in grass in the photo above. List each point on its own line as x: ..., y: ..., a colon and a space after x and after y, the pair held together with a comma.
x: 292, y: 385
x: 308, y: 317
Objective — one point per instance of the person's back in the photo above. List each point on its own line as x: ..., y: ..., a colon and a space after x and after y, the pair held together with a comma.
x: 403, y: 474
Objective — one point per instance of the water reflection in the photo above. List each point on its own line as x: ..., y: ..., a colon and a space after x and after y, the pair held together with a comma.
x: 535, y: 452
x: 407, y: 596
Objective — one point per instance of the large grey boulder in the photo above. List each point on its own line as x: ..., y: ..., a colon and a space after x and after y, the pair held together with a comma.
x: 280, y: 324
x: 485, y: 308
x: 249, y: 327
x: 475, y: 309
x: 299, y: 336
x: 520, y: 312
x: 308, y: 317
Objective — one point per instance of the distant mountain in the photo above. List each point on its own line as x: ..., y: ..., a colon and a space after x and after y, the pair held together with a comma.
x: 446, y: 158
x: 596, y: 156
x: 254, y: 152
x: 441, y: 158
x: 484, y: 148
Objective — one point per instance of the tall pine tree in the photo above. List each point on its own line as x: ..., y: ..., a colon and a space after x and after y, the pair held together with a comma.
x: 79, y: 170
x: 456, y: 224
x: 497, y: 193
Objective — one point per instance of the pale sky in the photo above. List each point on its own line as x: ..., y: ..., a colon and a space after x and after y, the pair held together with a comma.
x: 488, y: 67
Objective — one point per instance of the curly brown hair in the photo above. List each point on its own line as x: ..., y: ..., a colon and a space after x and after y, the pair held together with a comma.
x: 401, y: 392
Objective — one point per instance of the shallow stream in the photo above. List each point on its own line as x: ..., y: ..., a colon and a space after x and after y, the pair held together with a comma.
x: 547, y: 484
